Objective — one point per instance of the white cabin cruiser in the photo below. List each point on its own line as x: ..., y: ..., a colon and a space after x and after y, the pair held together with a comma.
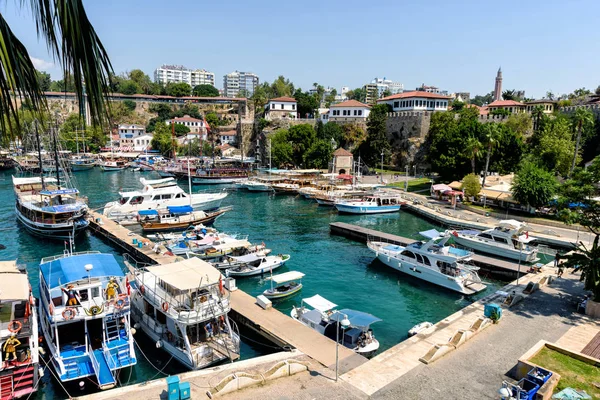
x: 253, y: 264
x: 433, y: 262
x: 159, y: 194
x: 510, y: 239
x: 375, y: 204
x: 323, y: 318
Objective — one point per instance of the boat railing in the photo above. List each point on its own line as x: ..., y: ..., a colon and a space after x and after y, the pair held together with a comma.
x: 67, y: 254
x: 24, y: 327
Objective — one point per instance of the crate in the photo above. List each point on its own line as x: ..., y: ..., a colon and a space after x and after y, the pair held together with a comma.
x: 539, y: 375
x: 173, y: 387
x: 525, y: 389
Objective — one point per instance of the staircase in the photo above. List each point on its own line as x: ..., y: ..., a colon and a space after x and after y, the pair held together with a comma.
x: 112, y: 329
x: 6, y: 387
x: 124, y: 357
x: 17, y: 384
x: 72, y: 368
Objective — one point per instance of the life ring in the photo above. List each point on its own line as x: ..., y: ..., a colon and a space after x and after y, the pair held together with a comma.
x: 69, y: 314
x: 123, y: 296
x: 11, y: 326
x: 119, y: 304
x: 142, y: 289
x: 165, y: 306
x: 203, y: 299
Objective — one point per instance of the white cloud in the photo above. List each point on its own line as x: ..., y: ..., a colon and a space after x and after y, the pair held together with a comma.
x: 40, y: 64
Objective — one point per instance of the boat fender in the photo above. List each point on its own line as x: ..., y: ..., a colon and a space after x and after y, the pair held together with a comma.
x: 158, y: 344
x: 142, y: 289
x: 69, y: 313
x: 169, y: 336
x: 165, y: 306
x: 15, y: 326
x: 51, y: 308
x: 31, y: 300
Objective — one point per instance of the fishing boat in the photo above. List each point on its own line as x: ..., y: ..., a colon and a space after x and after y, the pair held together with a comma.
x: 223, y: 248
x: 183, y: 307
x: 85, y: 316
x: 323, y: 318
x: 48, y: 210
x: 432, y: 261
x: 284, y: 285
x: 374, y: 204
x: 233, y: 261
x: 110, y: 166
x: 418, y: 328
x: 82, y: 163
x: 509, y: 239
x: 252, y: 264
x: 158, y: 194
x: 220, y: 175
x: 285, y: 188
x: 19, y: 373
x: 177, y: 218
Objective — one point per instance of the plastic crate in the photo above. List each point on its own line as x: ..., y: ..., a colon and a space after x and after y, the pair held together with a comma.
x: 489, y: 309
x: 173, y: 387
x: 539, y: 375
x: 525, y: 389
x: 185, y: 391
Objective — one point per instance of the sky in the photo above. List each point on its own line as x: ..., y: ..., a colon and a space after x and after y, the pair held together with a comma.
x: 458, y: 45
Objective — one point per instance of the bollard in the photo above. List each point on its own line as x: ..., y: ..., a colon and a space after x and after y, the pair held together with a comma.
x: 140, y: 244
x: 134, y: 241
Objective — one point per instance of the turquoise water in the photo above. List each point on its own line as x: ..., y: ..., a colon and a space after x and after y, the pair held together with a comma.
x: 338, y: 269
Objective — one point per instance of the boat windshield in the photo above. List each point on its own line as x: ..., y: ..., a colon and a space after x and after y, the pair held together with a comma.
x: 123, y: 200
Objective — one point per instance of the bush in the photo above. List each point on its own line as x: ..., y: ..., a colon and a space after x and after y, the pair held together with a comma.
x: 129, y: 104
x: 471, y: 185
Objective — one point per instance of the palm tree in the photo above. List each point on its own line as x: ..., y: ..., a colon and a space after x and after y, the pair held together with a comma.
x: 509, y: 95
x: 491, y: 138
x: 537, y: 113
x: 588, y: 262
x: 70, y: 38
x: 583, y: 118
x: 473, y: 148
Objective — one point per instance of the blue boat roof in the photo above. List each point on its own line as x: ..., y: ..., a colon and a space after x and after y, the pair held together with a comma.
x: 64, y: 270
x: 357, y: 318
x: 148, y: 212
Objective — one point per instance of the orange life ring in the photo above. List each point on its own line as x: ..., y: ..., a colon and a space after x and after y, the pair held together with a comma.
x: 69, y: 313
x: 165, y: 306
x: 11, y: 325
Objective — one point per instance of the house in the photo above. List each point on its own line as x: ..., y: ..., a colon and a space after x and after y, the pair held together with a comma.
x: 281, y: 108
x: 342, y: 161
x: 511, y: 106
x: 324, y: 115
x: 142, y: 143
x: 227, y: 150
x: 194, y: 124
x: 547, y: 105
x: 349, y: 111
x: 417, y: 100
x: 227, y: 137
x: 128, y: 132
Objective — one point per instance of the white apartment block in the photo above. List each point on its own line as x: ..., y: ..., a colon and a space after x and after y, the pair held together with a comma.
x: 179, y: 73
x: 417, y: 100
x: 236, y: 81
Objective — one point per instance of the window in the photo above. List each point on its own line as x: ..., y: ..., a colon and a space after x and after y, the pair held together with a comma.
x: 408, y: 254
x: 272, y: 106
x: 396, y: 104
x: 485, y: 236
x: 419, y: 258
x: 282, y: 106
x: 500, y: 240
x: 344, y: 112
x: 359, y: 112
x: 355, y: 112
x: 293, y: 106
x: 426, y: 261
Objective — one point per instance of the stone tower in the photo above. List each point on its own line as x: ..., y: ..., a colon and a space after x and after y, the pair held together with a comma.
x: 498, y: 86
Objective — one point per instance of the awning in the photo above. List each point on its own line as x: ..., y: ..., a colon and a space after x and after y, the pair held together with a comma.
x: 187, y: 274
x: 456, y: 185
x: 440, y: 187
x: 14, y: 283
x: 32, y: 180
x: 247, y: 258
x: 148, y: 212
x: 287, y: 277
x: 510, y: 224
x: 431, y: 234
x: 319, y: 303
x: 357, y: 318
x: 57, y: 192
x: 180, y: 209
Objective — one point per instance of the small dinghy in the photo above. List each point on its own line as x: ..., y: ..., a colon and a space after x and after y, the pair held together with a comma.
x: 284, y: 285
x: 419, y: 328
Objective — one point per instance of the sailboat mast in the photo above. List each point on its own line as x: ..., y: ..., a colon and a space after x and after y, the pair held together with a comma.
x: 190, y: 174
x: 39, y: 146
x: 269, y: 158
x: 53, y: 133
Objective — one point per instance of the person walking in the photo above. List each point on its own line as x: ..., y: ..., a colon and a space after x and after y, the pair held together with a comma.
x: 556, y: 259
x: 560, y: 269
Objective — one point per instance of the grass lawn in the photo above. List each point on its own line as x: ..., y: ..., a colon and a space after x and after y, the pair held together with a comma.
x: 389, y: 172
x: 573, y: 373
x: 414, y: 184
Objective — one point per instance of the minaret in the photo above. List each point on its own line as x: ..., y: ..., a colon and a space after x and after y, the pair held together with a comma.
x: 498, y: 86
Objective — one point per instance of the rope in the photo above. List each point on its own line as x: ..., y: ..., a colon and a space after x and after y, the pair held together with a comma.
x: 160, y: 371
x: 57, y: 378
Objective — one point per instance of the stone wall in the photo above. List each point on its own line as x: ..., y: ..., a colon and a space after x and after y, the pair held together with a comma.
x: 407, y: 131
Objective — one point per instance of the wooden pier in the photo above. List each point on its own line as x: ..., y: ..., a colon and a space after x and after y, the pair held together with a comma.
x: 271, y: 324
x: 500, y: 267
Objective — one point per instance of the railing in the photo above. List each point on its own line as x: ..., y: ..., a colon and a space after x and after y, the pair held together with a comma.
x: 95, y: 363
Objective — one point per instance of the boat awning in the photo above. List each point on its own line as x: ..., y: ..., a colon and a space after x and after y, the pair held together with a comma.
x: 148, y: 212
x: 61, y: 271
x: 247, y: 258
x: 357, y: 318
x: 180, y: 209
x: 14, y: 283
x: 319, y: 303
x: 431, y: 234
x: 145, y: 181
x: 233, y: 244
x: 287, y: 277
x: 31, y: 180
x: 510, y: 224
x: 58, y: 192
x: 440, y: 187
x: 187, y: 274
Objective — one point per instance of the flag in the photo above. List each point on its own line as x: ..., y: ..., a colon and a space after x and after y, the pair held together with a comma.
x: 527, y: 235
x: 221, y: 285
x: 206, y: 125
x: 128, y: 286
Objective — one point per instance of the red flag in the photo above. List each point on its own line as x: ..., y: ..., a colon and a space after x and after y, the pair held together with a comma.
x: 206, y: 125
x: 128, y: 286
x: 221, y: 285
x: 527, y: 235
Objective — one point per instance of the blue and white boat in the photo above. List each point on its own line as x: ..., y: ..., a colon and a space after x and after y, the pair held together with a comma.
x: 85, y: 316
x: 373, y: 204
x: 432, y: 261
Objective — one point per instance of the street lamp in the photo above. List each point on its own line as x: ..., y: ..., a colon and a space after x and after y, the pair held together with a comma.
x: 345, y: 323
x: 381, y: 166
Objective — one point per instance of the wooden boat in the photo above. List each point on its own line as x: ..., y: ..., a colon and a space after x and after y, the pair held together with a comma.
x: 6, y: 162
x: 284, y: 285
x: 176, y: 218
x: 109, y: 166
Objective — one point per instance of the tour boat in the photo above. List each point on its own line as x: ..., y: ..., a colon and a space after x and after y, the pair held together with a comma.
x: 109, y: 166
x: 85, y: 319
x: 252, y: 264
x: 183, y: 308
x: 324, y: 319
x: 219, y: 176
x: 284, y: 285
x: 509, y: 240
x: 6, y: 162
x: 158, y: 194
x: 19, y: 374
x: 418, y: 328
x: 432, y: 261
x: 177, y: 218
x: 47, y: 210
x: 82, y: 163
x: 285, y: 188
x: 375, y: 204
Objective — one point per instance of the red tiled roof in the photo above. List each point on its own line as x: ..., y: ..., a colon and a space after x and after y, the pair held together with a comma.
x: 284, y: 99
x: 228, y: 133
x: 414, y: 93
x: 351, y: 103
x: 484, y: 110
x: 342, y: 152
x: 505, y: 103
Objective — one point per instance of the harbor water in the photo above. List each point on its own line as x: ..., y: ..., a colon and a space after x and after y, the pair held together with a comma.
x: 341, y: 270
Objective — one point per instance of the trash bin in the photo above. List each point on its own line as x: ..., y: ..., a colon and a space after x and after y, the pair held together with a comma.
x: 173, y: 387
x: 140, y: 244
x: 539, y: 375
x: 525, y: 390
x: 490, y: 309
x: 184, y: 391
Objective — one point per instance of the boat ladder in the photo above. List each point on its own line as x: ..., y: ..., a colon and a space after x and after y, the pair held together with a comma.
x: 112, y: 329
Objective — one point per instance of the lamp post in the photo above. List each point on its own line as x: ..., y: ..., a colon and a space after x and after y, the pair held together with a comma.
x: 345, y: 323
x: 415, y: 170
x: 381, y: 166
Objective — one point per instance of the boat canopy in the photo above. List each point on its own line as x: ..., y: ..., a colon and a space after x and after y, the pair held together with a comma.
x: 150, y: 182
x: 510, y: 224
x: 64, y: 270
x: 14, y: 283
x: 431, y: 234
x: 180, y: 209
x: 357, y: 318
x: 234, y: 244
x: 319, y: 303
x: 58, y: 192
x: 148, y: 212
x: 31, y: 180
x: 287, y: 277
x: 440, y: 187
x: 247, y: 258
x: 187, y: 274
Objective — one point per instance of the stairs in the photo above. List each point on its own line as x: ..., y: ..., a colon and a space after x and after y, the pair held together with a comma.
x: 72, y: 369
x: 112, y: 329
x: 102, y: 371
x: 19, y: 382
x: 6, y: 387
x: 124, y: 357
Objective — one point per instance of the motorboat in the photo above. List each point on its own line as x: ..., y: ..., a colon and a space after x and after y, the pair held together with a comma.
x: 319, y: 314
x: 432, y: 261
x: 374, y: 204
x: 223, y: 248
x: 6, y: 161
x: 183, y: 308
x: 284, y: 285
x: 509, y: 239
x: 234, y: 260
x: 110, y: 166
x: 45, y: 209
x: 253, y: 264
x: 192, y: 233
x: 159, y: 194
x: 19, y: 373
x: 258, y: 186
x: 177, y: 218
x: 418, y: 328
x: 85, y: 316
x: 220, y: 243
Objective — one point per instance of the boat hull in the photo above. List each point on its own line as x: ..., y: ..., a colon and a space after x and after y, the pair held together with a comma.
x: 260, y: 270
x: 359, y: 209
x: 82, y: 167
x: 217, y: 181
x: 151, y: 227
x: 275, y: 295
x: 51, y: 231
x: 513, y: 254
x: 111, y: 169
x: 259, y: 188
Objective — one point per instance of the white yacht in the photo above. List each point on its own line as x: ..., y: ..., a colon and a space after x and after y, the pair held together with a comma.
x: 510, y: 239
x: 183, y: 307
x: 160, y: 193
x: 432, y: 261
x: 375, y: 204
x: 323, y: 318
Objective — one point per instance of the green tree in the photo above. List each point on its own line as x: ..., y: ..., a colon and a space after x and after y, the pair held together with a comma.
x: 537, y: 114
x: 259, y: 97
x: 582, y: 120
x: 180, y: 89
x: 67, y: 84
x: 533, y: 185
x: 471, y: 185
x: 354, y: 135
x: 301, y: 138
x: 448, y: 153
x: 141, y: 80
x: 473, y: 148
x: 129, y: 87
x: 508, y: 151
x: 307, y: 104
x: 331, y: 131
x: 457, y: 105
x: 556, y: 146
x: 377, y: 142
x: 181, y: 130
x: 206, y: 91
x: 281, y: 87
x: 357, y: 94
x: 212, y: 119
x: 129, y: 104
x: 43, y: 80
x: 281, y: 148
x: 510, y: 95
x: 318, y: 155
x: 519, y: 123
x: 73, y: 131
x: 483, y: 100
x: 162, y: 139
